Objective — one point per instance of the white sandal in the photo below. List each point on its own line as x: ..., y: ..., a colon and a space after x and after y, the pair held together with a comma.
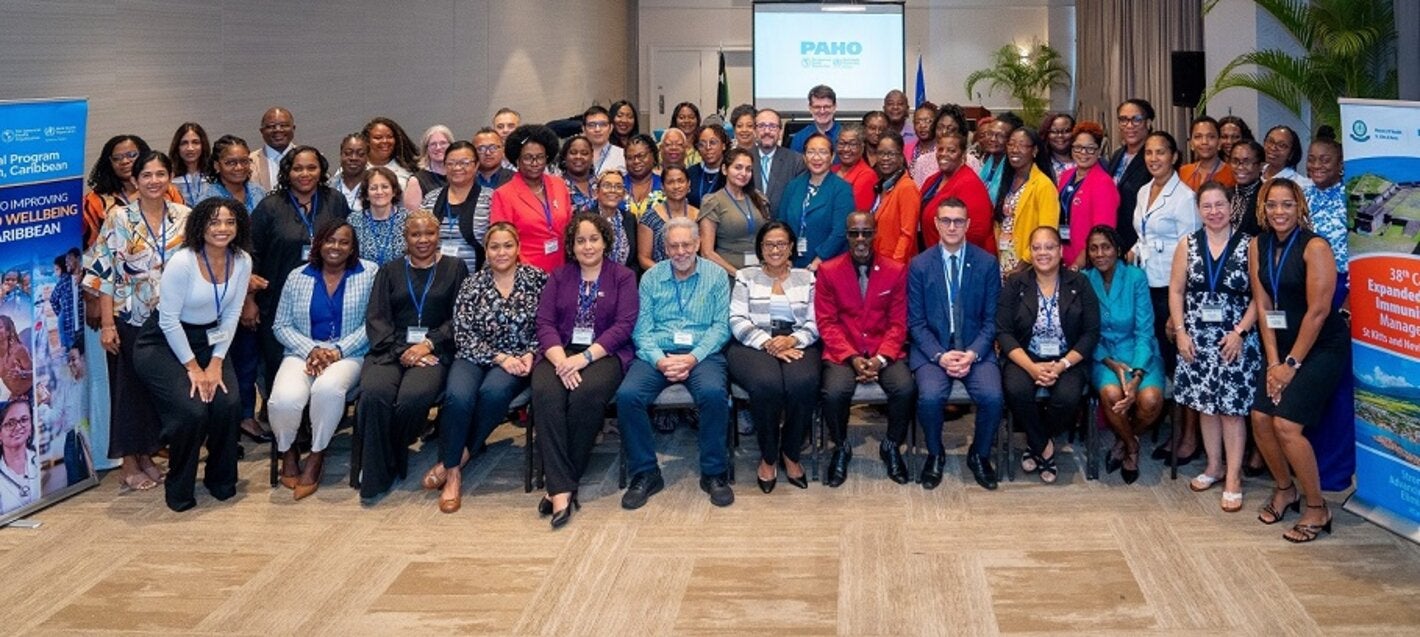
x: 1232, y: 501
x: 1203, y: 482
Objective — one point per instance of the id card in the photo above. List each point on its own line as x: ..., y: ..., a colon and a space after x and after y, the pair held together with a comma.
x: 217, y: 335
x: 683, y: 339
x: 803, y: 246
x: 1212, y: 314
x: 416, y: 335
x: 1277, y: 319
x: 582, y: 335
x: 449, y: 251
x: 1157, y: 244
x: 751, y: 259
x: 1049, y: 348
x: 549, y: 246
x: 1064, y: 233
x: 305, y: 253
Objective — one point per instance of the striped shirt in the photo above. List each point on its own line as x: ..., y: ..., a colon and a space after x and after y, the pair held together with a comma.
x: 750, y: 320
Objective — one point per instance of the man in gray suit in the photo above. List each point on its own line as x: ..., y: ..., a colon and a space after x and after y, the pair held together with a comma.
x: 777, y: 166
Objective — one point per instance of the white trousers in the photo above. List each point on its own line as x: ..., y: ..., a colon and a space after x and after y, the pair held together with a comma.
x: 325, y: 393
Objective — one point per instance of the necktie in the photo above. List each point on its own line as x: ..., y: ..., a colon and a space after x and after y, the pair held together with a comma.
x: 955, y: 283
x: 764, y: 162
x: 863, y: 280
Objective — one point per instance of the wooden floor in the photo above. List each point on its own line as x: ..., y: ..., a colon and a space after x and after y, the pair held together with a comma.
x: 870, y: 558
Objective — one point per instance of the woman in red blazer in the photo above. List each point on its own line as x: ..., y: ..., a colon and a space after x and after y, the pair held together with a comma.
x: 538, y: 206
x: 952, y: 181
x: 1088, y: 196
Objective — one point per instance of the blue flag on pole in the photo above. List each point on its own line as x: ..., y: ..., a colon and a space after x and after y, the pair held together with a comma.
x: 921, y: 95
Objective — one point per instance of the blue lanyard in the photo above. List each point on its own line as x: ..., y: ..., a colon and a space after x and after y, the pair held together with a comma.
x: 1214, y: 273
x: 1055, y: 298
x: 409, y: 283
x: 995, y: 169
x: 449, y: 218
x: 949, y: 272
x: 680, y: 301
x: 213, y: 276
x: 1067, y: 200
x: 749, y: 218
x: 159, y: 240
x: 1122, y: 166
x: 307, y: 219
x: 187, y: 187
x: 1274, y: 275
x: 547, y: 203
x: 706, y: 185
x: 804, y: 212
x: 601, y: 161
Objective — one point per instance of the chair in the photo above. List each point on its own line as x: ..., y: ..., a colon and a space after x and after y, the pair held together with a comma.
x: 350, y: 397
x: 1086, y: 418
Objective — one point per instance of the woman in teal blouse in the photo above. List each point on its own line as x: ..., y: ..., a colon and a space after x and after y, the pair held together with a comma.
x: 1127, y: 371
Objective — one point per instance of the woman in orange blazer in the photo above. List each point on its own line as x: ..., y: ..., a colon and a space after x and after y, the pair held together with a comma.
x: 897, y: 204
x: 540, y: 207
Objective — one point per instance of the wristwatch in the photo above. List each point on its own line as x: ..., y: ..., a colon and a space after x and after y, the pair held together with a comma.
x: 1293, y: 363
x: 587, y: 354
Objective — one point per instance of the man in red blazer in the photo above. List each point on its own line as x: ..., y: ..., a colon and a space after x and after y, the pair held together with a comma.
x: 860, y: 300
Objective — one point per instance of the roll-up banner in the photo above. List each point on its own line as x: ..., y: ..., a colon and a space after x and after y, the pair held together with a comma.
x: 44, y: 450
x: 1381, y: 141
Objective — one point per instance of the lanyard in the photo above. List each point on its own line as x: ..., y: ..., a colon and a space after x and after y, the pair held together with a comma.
x: 679, y: 300
x: 765, y: 161
x: 331, y: 306
x: 307, y: 219
x: 1122, y: 166
x: 159, y: 240
x: 546, y: 204
x: 213, y: 276
x: 606, y: 151
x: 953, y: 275
x: 706, y: 185
x: 449, y: 218
x: 187, y: 187
x: 1274, y: 276
x: 1215, y: 272
x: 409, y: 283
x: 804, y: 212
x: 744, y: 210
x: 1054, y: 304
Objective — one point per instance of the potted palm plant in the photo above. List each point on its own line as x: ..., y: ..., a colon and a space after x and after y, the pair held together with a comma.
x: 1349, y: 52
x: 1027, y: 74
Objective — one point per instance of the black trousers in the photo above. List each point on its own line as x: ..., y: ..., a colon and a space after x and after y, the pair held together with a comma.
x: 187, y: 422
x: 1159, y: 298
x: 568, y: 421
x: 777, y: 390
x: 134, y: 427
x: 839, y: 382
x: 394, y: 404
x: 1064, y: 401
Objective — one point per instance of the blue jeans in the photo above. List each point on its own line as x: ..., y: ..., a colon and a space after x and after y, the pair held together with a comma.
x: 707, y: 385
x: 476, y: 400
x: 983, y: 384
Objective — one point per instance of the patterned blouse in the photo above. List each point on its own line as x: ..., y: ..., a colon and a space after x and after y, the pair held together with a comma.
x: 581, y: 202
x: 487, y: 324
x: 380, y: 241
x: 125, y: 262
x: 1047, y: 325
x: 1328, y: 209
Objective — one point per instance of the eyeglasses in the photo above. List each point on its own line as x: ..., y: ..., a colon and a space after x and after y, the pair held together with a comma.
x: 641, y: 156
x: 1277, y: 143
x: 128, y: 156
x: 1085, y: 149
x: 598, y: 125
x: 1242, y: 161
x: 775, y: 245
x: 1274, y: 206
x: 277, y: 127
x: 488, y: 149
x: 533, y: 160
x: 612, y: 186
x: 1059, y: 131
x: 861, y: 233
x: 236, y: 163
x: 437, y: 144
x: 818, y: 152
x: 952, y: 222
x: 458, y: 163
x: 767, y: 126
x: 1131, y: 121
x: 850, y: 142
x: 708, y: 143
x: 15, y: 423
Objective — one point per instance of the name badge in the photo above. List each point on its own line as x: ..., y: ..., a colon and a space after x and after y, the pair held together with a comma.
x: 1277, y: 319
x: 449, y: 251
x: 305, y: 253
x: 683, y: 339
x: 217, y: 335
x: 1049, y: 348
x: 1158, y: 245
x: 582, y: 335
x: 751, y: 259
x: 803, y: 246
x: 416, y: 335
x: 549, y: 246
x: 1065, y: 233
x: 1212, y: 314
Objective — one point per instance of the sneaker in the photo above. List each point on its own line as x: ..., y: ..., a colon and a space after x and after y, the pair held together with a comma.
x: 721, y: 495
x: 643, y: 486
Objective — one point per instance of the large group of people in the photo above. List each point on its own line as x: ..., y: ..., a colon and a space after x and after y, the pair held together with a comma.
x: 912, y: 250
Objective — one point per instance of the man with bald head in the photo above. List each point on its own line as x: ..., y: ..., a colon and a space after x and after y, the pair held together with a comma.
x: 278, y: 128
x: 897, y: 111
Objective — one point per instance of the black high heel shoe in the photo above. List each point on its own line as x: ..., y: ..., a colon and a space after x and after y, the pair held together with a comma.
x: 1309, y: 532
x: 260, y: 437
x: 544, y: 506
x: 801, y: 482
x: 561, y: 518
x: 1278, y: 516
x: 766, y: 485
x: 1130, y: 475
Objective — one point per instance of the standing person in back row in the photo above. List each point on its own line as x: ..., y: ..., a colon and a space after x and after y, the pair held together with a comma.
x: 823, y: 106
x: 774, y: 166
x: 278, y: 129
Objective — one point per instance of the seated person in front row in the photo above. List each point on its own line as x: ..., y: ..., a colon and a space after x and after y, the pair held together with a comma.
x: 952, y: 292
x: 682, y: 326
x: 860, y: 303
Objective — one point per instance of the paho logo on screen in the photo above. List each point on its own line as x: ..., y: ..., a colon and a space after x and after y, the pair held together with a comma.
x: 823, y: 54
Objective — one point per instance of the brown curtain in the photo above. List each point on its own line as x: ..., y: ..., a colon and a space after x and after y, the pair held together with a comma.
x: 1122, y: 50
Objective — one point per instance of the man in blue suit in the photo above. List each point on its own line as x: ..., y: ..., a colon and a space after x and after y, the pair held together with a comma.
x: 951, y: 319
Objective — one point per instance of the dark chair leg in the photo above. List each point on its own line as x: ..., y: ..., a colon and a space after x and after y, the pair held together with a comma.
x: 357, y: 450
x: 1174, y: 435
x: 1092, y: 453
x: 528, y: 442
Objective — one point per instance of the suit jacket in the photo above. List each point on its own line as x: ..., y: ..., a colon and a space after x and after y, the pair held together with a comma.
x: 862, y: 178
x: 827, y: 216
x: 897, y: 215
x: 515, y: 203
x: 964, y: 184
x: 852, y: 324
x: 615, y: 310
x: 1095, y: 202
x: 786, y: 165
x: 260, y: 175
x: 928, y: 321
x: 1135, y: 175
x: 1038, y: 205
x: 1020, y: 303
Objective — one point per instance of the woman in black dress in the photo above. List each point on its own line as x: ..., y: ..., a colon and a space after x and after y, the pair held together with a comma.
x: 1304, y: 344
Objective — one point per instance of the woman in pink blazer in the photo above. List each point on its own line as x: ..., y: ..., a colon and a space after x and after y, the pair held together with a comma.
x: 1088, y: 196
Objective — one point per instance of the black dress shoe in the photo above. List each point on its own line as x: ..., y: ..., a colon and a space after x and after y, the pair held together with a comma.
x: 260, y: 437
x: 561, y: 518
x: 643, y: 486
x: 766, y: 486
x: 932, y: 471
x: 838, y: 466
x: 981, y: 470
x: 801, y: 482
x: 1183, y: 460
x: 1112, y: 464
x: 544, y: 506
x: 893, y: 463
x: 721, y: 495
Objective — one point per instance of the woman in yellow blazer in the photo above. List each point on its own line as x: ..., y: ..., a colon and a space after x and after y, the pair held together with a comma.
x: 1027, y: 199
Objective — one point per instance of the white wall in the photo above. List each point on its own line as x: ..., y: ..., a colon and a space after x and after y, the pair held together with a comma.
x: 955, y: 38
x: 1232, y: 28
x: 147, y: 65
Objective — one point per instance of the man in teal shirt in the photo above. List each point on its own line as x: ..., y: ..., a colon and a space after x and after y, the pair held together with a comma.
x: 683, y: 325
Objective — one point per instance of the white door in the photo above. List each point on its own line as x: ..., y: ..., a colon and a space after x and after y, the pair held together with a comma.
x: 676, y: 76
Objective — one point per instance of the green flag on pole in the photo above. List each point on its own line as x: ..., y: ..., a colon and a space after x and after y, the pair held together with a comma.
x: 722, y: 99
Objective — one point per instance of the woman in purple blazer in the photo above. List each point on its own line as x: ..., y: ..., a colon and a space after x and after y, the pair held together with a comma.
x: 584, y: 322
